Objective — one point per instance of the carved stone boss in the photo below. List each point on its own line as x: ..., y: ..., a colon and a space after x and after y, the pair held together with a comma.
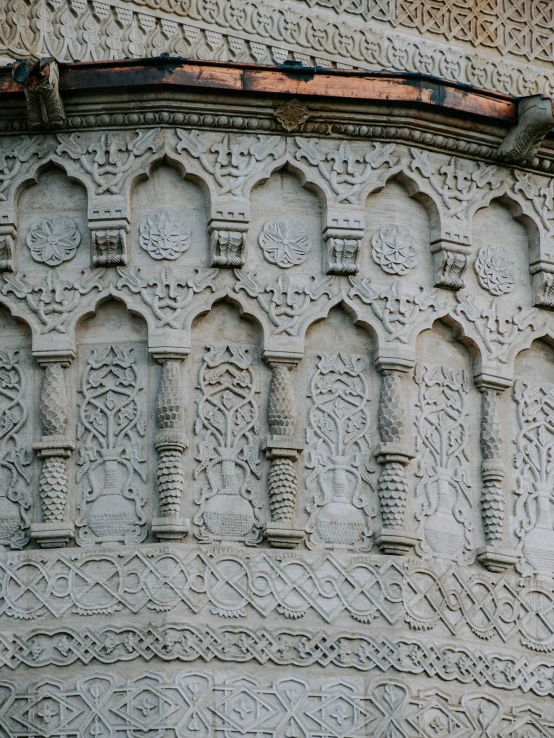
x: 54, y: 449
x: 283, y: 449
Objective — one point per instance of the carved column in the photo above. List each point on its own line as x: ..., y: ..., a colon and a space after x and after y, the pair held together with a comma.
x: 54, y: 449
x: 283, y: 449
x: 394, y: 454
x: 170, y: 442
x: 492, y: 555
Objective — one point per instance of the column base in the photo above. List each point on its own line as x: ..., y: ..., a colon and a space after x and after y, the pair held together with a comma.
x: 170, y: 528
x: 495, y: 559
x: 396, y: 542
x: 281, y: 535
x: 52, y: 535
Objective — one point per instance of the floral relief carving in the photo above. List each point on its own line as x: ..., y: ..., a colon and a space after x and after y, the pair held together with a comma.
x: 494, y: 272
x: 228, y: 426
x: 54, y: 240
x: 284, y: 242
x: 110, y: 453
x: 15, y: 498
x: 338, y: 437
x: 444, y: 489
x: 394, y: 249
x: 164, y: 234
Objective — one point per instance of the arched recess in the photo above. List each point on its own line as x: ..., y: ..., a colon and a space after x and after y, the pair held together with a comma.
x: 52, y: 223
x: 227, y: 391
x: 531, y: 420
x: 504, y: 241
x: 169, y: 218
x: 114, y: 469
x: 286, y: 226
x: 446, y: 412
x: 398, y: 232
x: 337, y: 395
x: 20, y: 382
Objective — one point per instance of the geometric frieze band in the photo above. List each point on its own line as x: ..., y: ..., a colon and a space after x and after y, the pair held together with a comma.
x: 453, y: 602
x: 278, y: 646
x: 196, y: 704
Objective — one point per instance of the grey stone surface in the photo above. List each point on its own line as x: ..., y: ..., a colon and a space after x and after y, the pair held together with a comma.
x: 276, y: 437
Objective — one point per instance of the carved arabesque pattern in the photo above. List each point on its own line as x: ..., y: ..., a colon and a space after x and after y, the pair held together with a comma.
x: 15, y: 499
x: 338, y: 436
x: 227, y: 425
x: 444, y: 487
x: 111, y: 426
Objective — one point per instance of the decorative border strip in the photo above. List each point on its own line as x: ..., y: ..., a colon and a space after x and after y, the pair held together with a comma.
x: 110, y: 644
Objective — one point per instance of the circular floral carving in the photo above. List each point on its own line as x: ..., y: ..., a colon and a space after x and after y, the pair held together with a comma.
x: 164, y: 234
x: 494, y: 272
x: 54, y: 240
x: 284, y: 242
x: 394, y: 249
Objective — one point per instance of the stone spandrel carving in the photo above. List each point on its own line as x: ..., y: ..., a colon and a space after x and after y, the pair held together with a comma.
x: 534, y: 463
x: 398, y: 311
x: 287, y: 300
x: 233, y: 162
x: 54, y: 240
x: 53, y: 300
x: 227, y: 427
x: 14, y: 153
x: 107, y: 158
x: 166, y: 294
x: 494, y: 271
x: 15, y: 496
x: 345, y: 172
x: 341, y: 504
x: 444, y: 486
x: 111, y: 463
x: 284, y: 242
x: 164, y: 234
x: 394, y: 249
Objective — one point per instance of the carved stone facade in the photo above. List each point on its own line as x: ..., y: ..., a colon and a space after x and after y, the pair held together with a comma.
x: 276, y: 411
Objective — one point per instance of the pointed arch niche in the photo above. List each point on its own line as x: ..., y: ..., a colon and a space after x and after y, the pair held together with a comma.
x: 286, y: 227
x: 447, y: 425
x: 169, y: 217
x: 532, y: 423
x: 114, y: 469
x: 337, y: 404
x: 398, y: 236
x: 52, y: 224
x: 20, y: 379
x: 226, y: 420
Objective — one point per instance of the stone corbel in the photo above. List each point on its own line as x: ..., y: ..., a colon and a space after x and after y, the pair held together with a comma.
x: 40, y: 82
x: 542, y: 275
x: 343, y: 236
x: 283, y: 449
x: 493, y: 555
x: 8, y: 232
x: 450, y: 247
x: 227, y: 229
x: 394, y: 454
x: 535, y: 120
x: 171, y: 442
x: 109, y: 226
x: 54, y: 449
